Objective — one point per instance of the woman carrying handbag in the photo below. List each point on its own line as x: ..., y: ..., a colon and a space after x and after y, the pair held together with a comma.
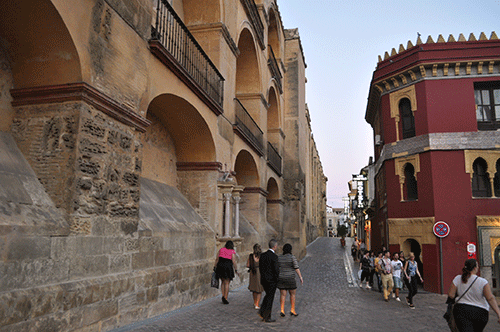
x: 470, y: 311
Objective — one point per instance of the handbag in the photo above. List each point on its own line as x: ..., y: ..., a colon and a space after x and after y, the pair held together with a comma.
x: 448, y: 315
x: 214, y: 282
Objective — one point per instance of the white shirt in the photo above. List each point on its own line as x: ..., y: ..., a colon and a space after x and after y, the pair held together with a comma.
x: 397, y: 267
x: 475, y: 295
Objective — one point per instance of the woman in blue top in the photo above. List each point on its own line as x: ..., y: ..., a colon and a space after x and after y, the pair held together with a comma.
x: 411, y: 273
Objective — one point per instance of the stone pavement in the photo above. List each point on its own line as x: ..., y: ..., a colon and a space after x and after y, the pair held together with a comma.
x: 329, y: 300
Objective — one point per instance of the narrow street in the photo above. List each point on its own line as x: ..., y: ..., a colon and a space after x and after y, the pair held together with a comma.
x: 329, y: 300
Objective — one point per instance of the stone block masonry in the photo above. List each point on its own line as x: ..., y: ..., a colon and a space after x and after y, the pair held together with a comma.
x: 117, y: 264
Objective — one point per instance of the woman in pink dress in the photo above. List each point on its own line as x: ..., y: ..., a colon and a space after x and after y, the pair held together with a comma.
x: 225, y: 267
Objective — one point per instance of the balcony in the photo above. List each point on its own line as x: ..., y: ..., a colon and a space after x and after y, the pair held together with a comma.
x: 173, y: 44
x: 253, y: 14
x: 274, y: 68
x: 274, y: 159
x: 247, y: 129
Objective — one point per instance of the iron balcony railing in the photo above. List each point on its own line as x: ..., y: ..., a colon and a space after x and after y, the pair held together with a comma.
x: 248, y: 129
x: 275, y: 70
x: 253, y: 13
x: 171, y: 32
x: 274, y: 159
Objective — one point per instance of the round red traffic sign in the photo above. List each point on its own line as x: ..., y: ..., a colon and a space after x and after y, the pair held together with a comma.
x: 441, y: 229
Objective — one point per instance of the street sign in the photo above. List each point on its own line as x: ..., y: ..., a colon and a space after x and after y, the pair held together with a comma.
x: 441, y: 229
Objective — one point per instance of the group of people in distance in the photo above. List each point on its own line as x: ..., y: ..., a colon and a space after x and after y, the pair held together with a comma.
x: 392, y: 274
x: 471, y: 294
x: 268, y: 272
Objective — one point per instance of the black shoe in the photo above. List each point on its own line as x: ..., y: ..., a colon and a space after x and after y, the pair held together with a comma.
x: 270, y: 320
x: 224, y: 300
x: 294, y: 314
x: 282, y: 314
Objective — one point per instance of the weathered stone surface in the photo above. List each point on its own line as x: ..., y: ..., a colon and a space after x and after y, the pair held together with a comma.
x: 142, y: 260
x: 24, y: 205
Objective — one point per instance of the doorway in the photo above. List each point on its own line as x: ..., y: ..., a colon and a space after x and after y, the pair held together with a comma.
x: 412, y: 245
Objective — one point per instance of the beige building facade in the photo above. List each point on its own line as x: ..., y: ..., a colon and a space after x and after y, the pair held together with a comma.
x: 136, y: 137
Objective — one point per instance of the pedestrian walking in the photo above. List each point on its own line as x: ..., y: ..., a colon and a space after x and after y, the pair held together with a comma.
x: 362, y: 248
x: 364, y: 266
x: 377, y: 270
x: 385, y: 268
x: 286, y: 281
x: 475, y: 298
x: 403, y: 262
x: 397, y: 269
x: 225, y: 267
x: 354, y: 249
x: 411, y: 273
x: 269, y: 273
x: 371, y: 256
x: 254, y: 284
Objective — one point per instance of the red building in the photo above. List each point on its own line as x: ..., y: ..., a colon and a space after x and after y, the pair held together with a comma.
x: 435, y: 112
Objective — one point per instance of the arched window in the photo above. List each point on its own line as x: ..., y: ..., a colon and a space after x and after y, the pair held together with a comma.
x: 411, y: 183
x: 481, y: 186
x: 408, y: 121
x: 497, y: 180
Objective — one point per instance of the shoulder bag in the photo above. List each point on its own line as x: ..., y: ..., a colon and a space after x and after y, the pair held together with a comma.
x: 214, y: 282
x: 448, y: 315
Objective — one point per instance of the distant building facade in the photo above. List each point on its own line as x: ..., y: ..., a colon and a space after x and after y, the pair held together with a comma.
x: 137, y: 138
x: 435, y: 113
x: 333, y: 220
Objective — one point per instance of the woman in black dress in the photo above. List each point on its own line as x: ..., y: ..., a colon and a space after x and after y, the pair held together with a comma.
x: 225, y: 267
x: 286, y: 281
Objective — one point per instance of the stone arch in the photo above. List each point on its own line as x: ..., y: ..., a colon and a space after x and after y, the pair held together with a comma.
x: 198, y: 12
x: 246, y: 170
x: 273, y: 37
x: 178, y: 135
x: 247, y: 65
x: 42, y: 52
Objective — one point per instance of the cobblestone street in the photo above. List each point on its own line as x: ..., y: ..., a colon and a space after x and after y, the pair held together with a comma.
x: 329, y: 300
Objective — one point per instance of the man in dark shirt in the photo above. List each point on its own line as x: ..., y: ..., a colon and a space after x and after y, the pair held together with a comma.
x: 269, y: 273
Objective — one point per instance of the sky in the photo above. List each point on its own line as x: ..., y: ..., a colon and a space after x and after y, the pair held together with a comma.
x: 342, y: 40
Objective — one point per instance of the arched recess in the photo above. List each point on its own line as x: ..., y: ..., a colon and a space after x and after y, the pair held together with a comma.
x: 247, y: 65
x: 481, y: 186
x: 274, y: 210
x: 412, y: 245
x: 198, y: 12
x: 273, y: 189
x: 252, y: 199
x: 273, y: 33
x: 246, y: 170
x: 410, y: 183
x: 179, y: 155
x: 273, y: 114
x: 178, y: 134
x: 36, y: 50
x: 40, y: 47
x: 496, y: 180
